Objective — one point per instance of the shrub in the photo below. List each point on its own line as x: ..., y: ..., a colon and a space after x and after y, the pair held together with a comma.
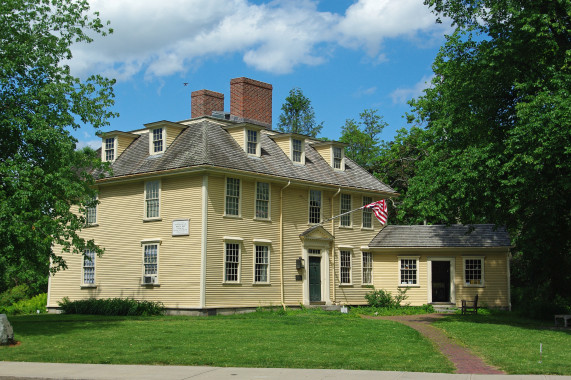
x: 15, y: 294
x: 27, y: 306
x: 384, y: 298
x: 111, y: 306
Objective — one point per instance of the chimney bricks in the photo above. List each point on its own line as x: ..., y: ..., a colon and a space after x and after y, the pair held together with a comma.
x: 205, y: 101
x: 251, y: 100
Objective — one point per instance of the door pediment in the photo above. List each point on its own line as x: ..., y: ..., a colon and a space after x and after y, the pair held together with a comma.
x: 316, y: 233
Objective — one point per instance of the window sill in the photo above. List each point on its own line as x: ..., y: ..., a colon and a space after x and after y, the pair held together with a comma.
x: 261, y: 284
x: 345, y: 285
x: 409, y: 286
x: 345, y: 227
x: 149, y: 220
x: 474, y: 285
x: 367, y: 229
x: 92, y: 225
x: 231, y: 284
x: 263, y: 220
x: 369, y: 286
x: 232, y: 216
x: 151, y: 285
x: 88, y: 286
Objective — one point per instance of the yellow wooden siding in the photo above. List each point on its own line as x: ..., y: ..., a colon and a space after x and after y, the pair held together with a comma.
x: 238, y: 135
x: 171, y: 134
x: 285, y: 145
x: 123, y: 142
x: 121, y: 229
x: 324, y: 151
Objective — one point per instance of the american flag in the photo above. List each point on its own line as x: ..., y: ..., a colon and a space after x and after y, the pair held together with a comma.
x: 380, y: 210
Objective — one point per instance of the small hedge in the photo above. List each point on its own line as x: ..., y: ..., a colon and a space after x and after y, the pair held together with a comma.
x: 111, y: 306
x: 27, y: 306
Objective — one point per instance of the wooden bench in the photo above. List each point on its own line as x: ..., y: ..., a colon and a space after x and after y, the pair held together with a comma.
x: 470, y: 306
x: 565, y: 318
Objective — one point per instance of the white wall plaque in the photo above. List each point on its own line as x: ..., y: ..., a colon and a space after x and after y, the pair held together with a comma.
x: 180, y: 227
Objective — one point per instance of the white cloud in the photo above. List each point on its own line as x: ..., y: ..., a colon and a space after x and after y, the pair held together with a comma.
x: 94, y: 144
x: 402, y: 95
x: 161, y: 38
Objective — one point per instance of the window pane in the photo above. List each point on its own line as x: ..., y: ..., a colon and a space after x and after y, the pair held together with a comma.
x: 367, y: 213
x: 150, y: 259
x: 345, y: 207
x: 337, y: 157
x: 232, y: 196
x: 345, y: 267
x: 262, y: 200
x: 296, y: 144
x: 232, y: 262
x: 367, y: 268
x: 252, y: 141
x: 89, y: 267
x: 473, y: 271
x: 157, y: 140
x: 109, y: 149
x: 262, y: 262
x: 91, y: 212
x: 314, y: 206
x: 152, y: 199
x: 408, y: 271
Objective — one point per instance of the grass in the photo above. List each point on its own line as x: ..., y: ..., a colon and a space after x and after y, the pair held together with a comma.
x: 299, y: 339
x: 512, y: 343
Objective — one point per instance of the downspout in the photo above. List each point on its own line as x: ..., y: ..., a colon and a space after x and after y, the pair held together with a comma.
x: 204, y: 241
x: 508, y: 260
x: 282, y: 243
x: 333, y: 242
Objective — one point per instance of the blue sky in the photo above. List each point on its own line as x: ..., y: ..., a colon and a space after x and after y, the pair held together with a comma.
x: 346, y: 56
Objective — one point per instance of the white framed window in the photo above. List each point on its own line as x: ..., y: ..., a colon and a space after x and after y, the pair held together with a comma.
x: 345, y: 267
x: 297, y: 151
x: 88, y: 267
x: 232, y: 262
x: 150, y: 263
x: 408, y: 271
x: 314, y: 206
x: 367, y: 220
x: 109, y: 149
x: 252, y: 142
x: 262, y: 200
x: 261, y: 264
x: 473, y: 271
x: 91, y: 212
x: 152, y: 199
x: 337, y: 158
x: 157, y: 140
x: 232, y: 202
x: 345, y: 206
x: 367, y: 268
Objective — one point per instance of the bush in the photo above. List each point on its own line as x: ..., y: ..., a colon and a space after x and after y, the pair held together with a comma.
x: 27, y: 306
x: 111, y: 306
x: 384, y: 298
x: 15, y: 294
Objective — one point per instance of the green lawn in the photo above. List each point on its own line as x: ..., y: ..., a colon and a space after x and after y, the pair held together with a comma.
x: 300, y: 339
x: 512, y: 343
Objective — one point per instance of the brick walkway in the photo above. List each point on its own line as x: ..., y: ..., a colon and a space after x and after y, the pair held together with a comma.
x: 461, y: 357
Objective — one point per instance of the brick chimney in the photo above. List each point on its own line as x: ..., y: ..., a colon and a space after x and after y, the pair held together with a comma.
x: 205, y: 101
x: 251, y: 100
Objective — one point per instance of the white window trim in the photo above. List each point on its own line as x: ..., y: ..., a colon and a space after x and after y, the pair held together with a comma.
x: 239, y: 198
x: 483, y: 262
x: 348, y: 215
x: 83, y: 283
x: 302, y: 161
x: 151, y: 145
x: 417, y: 258
x: 368, y: 211
x: 350, y: 283
x: 95, y: 210
x: 104, y: 149
x: 256, y: 201
x: 309, y: 206
x: 258, y: 143
x: 363, y: 267
x: 342, y: 165
x: 238, y: 241
x: 256, y: 244
x: 147, y: 218
x: 145, y: 243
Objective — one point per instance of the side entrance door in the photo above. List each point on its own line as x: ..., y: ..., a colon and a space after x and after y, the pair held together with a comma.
x: 314, y: 279
x: 440, y: 281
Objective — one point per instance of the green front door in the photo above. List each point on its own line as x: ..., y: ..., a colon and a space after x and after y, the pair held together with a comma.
x: 314, y: 279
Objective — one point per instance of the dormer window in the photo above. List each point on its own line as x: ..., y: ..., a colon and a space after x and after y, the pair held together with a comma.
x: 337, y: 158
x: 157, y: 141
x: 252, y: 142
x: 109, y: 149
x: 297, y: 151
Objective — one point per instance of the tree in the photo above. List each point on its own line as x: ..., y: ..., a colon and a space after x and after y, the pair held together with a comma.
x: 43, y: 178
x: 498, y: 133
x: 298, y: 115
x: 362, y: 138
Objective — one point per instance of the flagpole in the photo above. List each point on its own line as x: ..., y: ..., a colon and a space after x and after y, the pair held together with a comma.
x: 345, y: 213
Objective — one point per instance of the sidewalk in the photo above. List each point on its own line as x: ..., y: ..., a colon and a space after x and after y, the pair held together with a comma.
x: 36, y: 371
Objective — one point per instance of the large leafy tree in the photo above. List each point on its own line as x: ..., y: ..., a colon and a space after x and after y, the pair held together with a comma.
x: 498, y: 133
x: 298, y: 115
x: 42, y: 175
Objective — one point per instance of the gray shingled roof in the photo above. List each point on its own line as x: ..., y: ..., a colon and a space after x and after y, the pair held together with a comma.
x: 207, y: 143
x: 457, y: 235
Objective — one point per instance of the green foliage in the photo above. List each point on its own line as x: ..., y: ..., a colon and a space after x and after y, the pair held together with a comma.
x: 384, y: 299
x: 497, y: 135
x: 27, y: 306
x: 15, y: 294
x: 298, y: 115
x: 42, y: 175
x: 111, y: 306
x: 388, y: 311
x: 362, y: 138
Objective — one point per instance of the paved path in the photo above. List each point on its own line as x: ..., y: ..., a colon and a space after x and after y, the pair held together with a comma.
x: 464, y: 360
